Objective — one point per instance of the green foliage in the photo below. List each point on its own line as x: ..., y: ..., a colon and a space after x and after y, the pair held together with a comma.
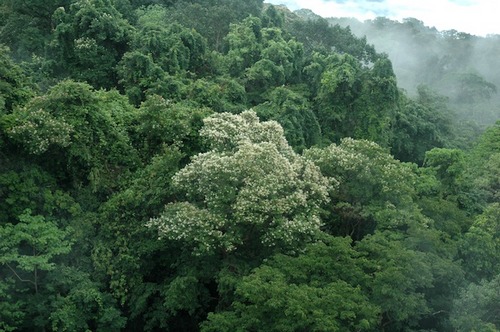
x: 279, y: 62
x: 449, y: 167
x: 256, y: 220
x: 15, y: 88
x: 117, y: 253
x: 80, y: 305
x: 172, y: 47
x: 11, y: 312
x: 446, y: 215
x: 272, y: 18
x: 339, y: 86
x: 264, y: 74
x: 243, y: 45
x: 317, y: 34
x: 480, y: 246
x: 399, y: 277
x: 88, y: 41
x: 353, y: 101
x: 23, y: 187
x: 315, y: 291
x: 294, y: 114
x: 477, y: 307
x: 140, y: 76
x: 375, y: 192
x: 161, y: 122
x: 29, y: 247
x: 26, y: 25
x: 213, y: 19
x: 377, y: 104
x: 485, y: 164
x: 420, y: 125
x: 223, y: 94
x: 81, y: 134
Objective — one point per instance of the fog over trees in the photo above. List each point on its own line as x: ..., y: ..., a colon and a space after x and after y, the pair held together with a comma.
x: 457, y: 65
x: 188, y: 165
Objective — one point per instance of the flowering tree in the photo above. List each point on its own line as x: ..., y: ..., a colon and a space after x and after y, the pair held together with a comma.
x: 250, y: 190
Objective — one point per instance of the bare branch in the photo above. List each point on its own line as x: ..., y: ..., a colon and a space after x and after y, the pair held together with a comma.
x: 19, y: 277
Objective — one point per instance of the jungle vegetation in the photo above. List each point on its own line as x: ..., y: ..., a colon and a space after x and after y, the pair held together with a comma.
x: 188, y: 165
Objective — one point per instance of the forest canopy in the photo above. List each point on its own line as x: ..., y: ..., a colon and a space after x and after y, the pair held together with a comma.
x: 187, y: 165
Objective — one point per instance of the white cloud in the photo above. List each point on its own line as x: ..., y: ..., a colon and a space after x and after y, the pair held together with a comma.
x: 479, y: 17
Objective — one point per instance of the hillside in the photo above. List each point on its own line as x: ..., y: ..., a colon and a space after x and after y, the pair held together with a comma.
x: 188, y: 165
x: 458, y: 65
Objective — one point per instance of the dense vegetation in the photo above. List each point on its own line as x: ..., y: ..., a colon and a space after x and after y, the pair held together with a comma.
x: 228, y: 166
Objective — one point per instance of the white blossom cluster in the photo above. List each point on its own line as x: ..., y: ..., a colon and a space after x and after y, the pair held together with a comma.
x: 85, y: 43
x: 251, y: 184
x: 38, y: 129
x: 184, y: 220
x: 226, y: 131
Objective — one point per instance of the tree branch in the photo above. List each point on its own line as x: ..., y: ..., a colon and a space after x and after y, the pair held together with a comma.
x: 18, y: 277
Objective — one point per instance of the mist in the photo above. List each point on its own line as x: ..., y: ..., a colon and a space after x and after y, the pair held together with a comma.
x: 463, y: 67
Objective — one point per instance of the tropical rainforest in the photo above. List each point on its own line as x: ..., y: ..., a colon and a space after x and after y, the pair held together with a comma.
x: 228, y: 165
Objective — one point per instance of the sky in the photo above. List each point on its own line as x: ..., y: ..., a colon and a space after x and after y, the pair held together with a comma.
x: 476, y: 17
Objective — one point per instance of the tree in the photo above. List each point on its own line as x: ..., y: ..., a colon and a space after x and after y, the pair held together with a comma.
x: 248, y: 193
x: 172, y: 47
x: 480, y: 246
x: 77, y: 303
x: 400, y: 275
x: 273, y: 18
x: 222, y: 94
x: 11, y: 311
x: 279, y: 63
x: 28, y: 250
x: 213, y: 19
x: 449, y: 167
x: 26, y: 186
x: 378, y: 104
x: 128, y: 260
x: 79, y: 134
x: 477, y: 307
x: 15, y: 88
x: 49, y: 293
x: 29, y: 247
x: 339, y: 88
x: 88, y: 41
x: 243, y: 42
x: 261, y: 76
x: 318, y: 290
x: 484, y: 162
x: 353, y: 100
x: 473, y: 88
x: 375, y: 190
x: 421, y: 124
x: 26, y: 25
x: 318, y: 35
x: 140, y: 76
x: 161, y: 123
x: 292, y: 111
x: 286, y: 53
